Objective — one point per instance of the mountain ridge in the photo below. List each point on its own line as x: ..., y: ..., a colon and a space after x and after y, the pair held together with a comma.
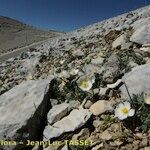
x: 15, y: 34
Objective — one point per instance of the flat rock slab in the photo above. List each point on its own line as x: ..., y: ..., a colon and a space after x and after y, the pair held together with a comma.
x: 57, y: 112
x: 100, y: 107
x: 76, y: 119
x: 137, y: 81
x: 141, y: 35
x: 119, y: 41
x: 22, y: 110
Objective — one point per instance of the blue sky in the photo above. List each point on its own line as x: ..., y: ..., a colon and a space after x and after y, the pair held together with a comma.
x: 66, y: 15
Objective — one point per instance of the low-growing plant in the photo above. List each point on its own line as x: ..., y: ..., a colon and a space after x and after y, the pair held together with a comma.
x: 142, y: 114
x: 134, y: 113
x: 107, y: 121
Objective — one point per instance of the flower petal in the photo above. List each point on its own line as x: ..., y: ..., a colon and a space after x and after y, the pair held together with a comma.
x: 120, y: 105
x: 118, y: 112
x: 122, y: 117
x: 93, y: 79
x: 127, y: 104
x: 86, y: 88
x: 147, y: 100
x: 131, y: 112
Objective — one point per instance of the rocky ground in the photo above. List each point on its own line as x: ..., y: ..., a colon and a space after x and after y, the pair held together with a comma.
x: 69, y: 88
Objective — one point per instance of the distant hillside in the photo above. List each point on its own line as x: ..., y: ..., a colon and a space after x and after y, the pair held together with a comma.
x: 15, y: 34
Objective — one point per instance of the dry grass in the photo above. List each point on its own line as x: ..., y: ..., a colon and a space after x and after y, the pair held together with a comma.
x: 14, y: 34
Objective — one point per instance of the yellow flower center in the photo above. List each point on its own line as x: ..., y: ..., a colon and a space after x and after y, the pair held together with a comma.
x: 125, y: 110
x: 147, y: 100
x: 84, y: 84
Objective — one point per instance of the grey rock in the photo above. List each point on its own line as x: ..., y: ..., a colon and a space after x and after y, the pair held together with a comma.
x: 114, y: 85
x: 103, y: 91
x: 90, y: 69
x: 96, y: 91
x: 140, y: 22
x: 74, y: 104
x: 122, y: 27
x: 88, y: 104
x: 76, y: 119
x: 127, y: 45
x: 132, y: 64
x: 100, y: 107
x: 98, y: 147
x: 147, y: 148
x: 96, y: 50
x: 35, y: 148
x: 1, y: 82
x: 141, y: 35
x: 28, y: 65
x: 57, y: 112
x: 119, y: 41
x: 97, y: 123
x: 111, y: 69
x: 54, y: 102
x: 105, y: 135
x: 82, y: 135
x: 137, y: 81
x: 78, y: 53
x: 97, y: 61
x: 145, y: 48
x: 65, y: 147
x: 22, y: 110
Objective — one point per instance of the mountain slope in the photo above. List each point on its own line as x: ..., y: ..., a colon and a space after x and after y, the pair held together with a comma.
x: 80, y: 86
x: 15, y: 34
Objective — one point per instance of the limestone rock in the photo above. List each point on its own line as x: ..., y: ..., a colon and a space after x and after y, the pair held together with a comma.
x: 100, y: 107
x: 78, y: 53
x: 136, y: 81
x: 76, y: 119
x: 57, y: 112
x: 105, y: 135
x: 35, y: 148
x: 103, y: 91
x: 22, y: 110
x: 65, y: 148
x: 127, y: 45
x: 141, y: 35
x: 98, y: 147
x: 91, y: 69
x: 111, y: 69
x: 97, y: 61
x: 82, y: 135
x: 88, y: 104
x: 74, y: 104
x: 30, y: 64
x: 119, y: 41
x: 146, y: 148
x: 97, y: 123
x: 140, y: 22
x: 114, y: 85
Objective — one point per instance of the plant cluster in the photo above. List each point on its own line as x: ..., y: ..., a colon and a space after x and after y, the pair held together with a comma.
x: 139, y: 109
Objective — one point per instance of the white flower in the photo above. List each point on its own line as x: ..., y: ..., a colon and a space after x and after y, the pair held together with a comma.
x: 123, y: 110
x: 74, y: 71
x: 85, y: 84
x: 147, y: 100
